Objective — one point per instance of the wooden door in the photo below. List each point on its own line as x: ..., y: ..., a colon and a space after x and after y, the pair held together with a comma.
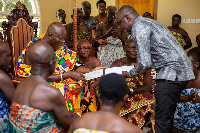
x: 141, y: 6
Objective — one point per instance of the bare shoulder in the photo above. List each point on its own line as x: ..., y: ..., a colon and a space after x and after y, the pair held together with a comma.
x: 122, y: 126
x: 94, y: 59
x: 169, y: 27
x: 4, y: 78
x: 52, y: 91
x: 82, y: 121
x: 44, y: 96
x: 118, y: 62
x: 183, y: 32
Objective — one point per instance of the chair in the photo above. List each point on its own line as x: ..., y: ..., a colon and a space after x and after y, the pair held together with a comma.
x: 18, y: 31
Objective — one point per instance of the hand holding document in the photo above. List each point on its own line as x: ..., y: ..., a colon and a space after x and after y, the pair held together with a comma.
x: 101, y: 72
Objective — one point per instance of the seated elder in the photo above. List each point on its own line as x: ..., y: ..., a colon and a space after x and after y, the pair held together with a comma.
x: 187, y: 115
x: 140, y: 102
x: 84, y: 57
x: 6, y: 86
x: 33, y: 109
x: 86, y: 60
x: 113, y: 92
x: 64, y: 76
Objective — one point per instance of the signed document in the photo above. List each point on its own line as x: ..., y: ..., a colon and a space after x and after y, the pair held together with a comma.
x: 101, y: 72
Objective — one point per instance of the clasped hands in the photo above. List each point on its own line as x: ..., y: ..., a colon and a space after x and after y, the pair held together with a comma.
x: 194, y: 97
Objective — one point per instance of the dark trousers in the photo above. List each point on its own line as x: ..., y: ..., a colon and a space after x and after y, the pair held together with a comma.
x: 167, y: 94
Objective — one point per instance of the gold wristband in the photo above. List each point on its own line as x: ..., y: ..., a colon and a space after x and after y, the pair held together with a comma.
x: 61, y: 78
x: 78, y: 114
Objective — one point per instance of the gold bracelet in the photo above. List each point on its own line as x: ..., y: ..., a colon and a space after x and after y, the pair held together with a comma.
x: 78, y: 114
x: 61, y: 78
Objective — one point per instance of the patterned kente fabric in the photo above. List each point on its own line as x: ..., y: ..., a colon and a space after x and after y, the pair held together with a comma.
x: 81, y: 35
x: 4, y: 106
x: 178, y: 37
x: 90, y: 25
x: 111, y: 51
x: 26, y: 119
x: 187, y: 115
x: 76, y: 97
x: 83, y: 130
x: 137, y: 106
x: 4, y: 113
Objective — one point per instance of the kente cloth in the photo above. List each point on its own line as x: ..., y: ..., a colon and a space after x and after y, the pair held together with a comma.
x: 79, y: 99
x: 137, y: 106
x: 90, y: 25
x: 65, y: 62
x: 84, y: 130
x: 81, y: 35
x: 26, y: 119
x: 187, y: 115
x: 4, y: 106
x: 4, y: 113
x: 179, y: 37
x: 111, y: 51
x: 5, y: 125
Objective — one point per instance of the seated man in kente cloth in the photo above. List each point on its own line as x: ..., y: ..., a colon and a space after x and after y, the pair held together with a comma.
x: 140, y: 103
x: 87, y: 60
x: 33, y: 109
x: 63, y: 74
x: 112, y: 92
x: 84, y: 56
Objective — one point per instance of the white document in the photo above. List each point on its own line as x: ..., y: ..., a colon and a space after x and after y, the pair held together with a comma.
x: 101, y: 72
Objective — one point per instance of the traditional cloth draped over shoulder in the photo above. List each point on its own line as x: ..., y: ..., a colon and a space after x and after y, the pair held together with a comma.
x: 81, y: 35
x: 90, y: 25
x: 79, y: 99
x: 27, y: 119
x: 138, y: 105
x: 110, y: 52
x: 65, y: 60
x: 179, y: 37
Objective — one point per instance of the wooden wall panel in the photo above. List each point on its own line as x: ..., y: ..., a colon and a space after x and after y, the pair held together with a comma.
x: 141, y: 6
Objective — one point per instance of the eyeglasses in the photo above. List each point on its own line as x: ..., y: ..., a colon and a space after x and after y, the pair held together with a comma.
x: 61, y: 39
x: 123, y: 18
x: 84, y: 48
x: 130, y: 48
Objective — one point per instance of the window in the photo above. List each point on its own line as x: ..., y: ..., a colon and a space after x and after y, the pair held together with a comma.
x: 6, y: 6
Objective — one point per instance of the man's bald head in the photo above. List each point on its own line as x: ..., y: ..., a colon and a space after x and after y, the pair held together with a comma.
x: 56, y: 27
x: 40, y: 53
x: 126, y: 17
x: 128, y: 41
x: 56, y: 35
x: 84, y: 48
x: 111, y: 8
x: 126, y: 9
x: 82, y: 41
